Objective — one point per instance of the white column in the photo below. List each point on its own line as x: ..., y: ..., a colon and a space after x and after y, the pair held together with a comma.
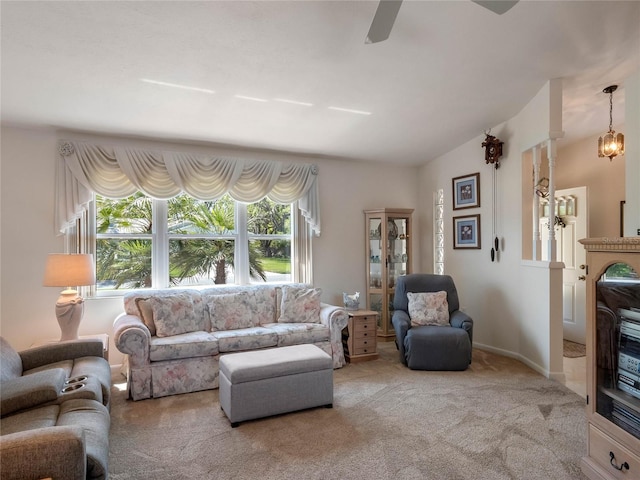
x: 537, y: 242
x: 551, y: 157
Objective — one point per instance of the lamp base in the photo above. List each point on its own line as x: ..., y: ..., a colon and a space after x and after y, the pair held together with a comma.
x: 69, y: 311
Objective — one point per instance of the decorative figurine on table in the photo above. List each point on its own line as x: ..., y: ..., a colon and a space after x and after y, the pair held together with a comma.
x: 351, y: 302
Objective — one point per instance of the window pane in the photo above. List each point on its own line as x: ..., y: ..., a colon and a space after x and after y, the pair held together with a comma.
x: 127, y: 215
x: 620, y: 272
x: 123, y: 263
x: 201, y: 261
x: 269, y: 218
x: 190, y: 216
x: 270, y: 260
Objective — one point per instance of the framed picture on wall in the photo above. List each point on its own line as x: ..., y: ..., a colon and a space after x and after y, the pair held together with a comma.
x: 466, y: 231
x: 466, y: 191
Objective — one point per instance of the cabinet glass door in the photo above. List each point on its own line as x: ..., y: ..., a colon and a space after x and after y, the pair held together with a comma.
x: 376, y: 256
x: 397, y: 251
x: 617, y: 347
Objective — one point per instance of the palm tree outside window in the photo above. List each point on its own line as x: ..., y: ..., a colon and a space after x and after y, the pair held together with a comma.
x: 143, y: 242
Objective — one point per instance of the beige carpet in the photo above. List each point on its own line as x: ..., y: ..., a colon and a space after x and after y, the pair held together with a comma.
x: 573, y: 350
x: 497, y: 420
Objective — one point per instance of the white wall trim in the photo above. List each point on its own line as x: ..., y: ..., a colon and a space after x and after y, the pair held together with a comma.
x: 557, y: 376
x: 542, y: 264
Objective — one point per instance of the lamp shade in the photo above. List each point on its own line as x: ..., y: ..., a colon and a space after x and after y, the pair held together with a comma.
x: 69, y: 270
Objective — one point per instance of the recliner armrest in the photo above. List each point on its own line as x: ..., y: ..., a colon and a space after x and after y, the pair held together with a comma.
x: 401, y: 325
x: 49, y: 452
x: 31, y: 390
x: 459, y: 319
x: 60, y: 351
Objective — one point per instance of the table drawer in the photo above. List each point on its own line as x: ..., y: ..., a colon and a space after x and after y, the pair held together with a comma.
x: 363, y: 350
x: 600, y: 448
x: 368, y: 343
x: 365, y: 328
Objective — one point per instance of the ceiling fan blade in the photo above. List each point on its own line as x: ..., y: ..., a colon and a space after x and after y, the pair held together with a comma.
x: 497, y: 6
x: 383, y: 21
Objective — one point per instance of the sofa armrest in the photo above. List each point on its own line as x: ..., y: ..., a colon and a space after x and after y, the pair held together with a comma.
x: 31, y: 390
x: 336, y: 319
x: 132, y: 337
x: 50, y: 452
x: 459, y: 319
x: 60, y: 351
x: 333, y: 316
x: 401, y: 325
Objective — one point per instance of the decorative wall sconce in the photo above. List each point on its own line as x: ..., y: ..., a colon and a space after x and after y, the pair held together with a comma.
x: 611, y: 144
x: 542, y: 187
x: 493, y: 149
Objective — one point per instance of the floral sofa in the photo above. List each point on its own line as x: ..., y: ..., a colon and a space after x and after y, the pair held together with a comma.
x: 173, y: 338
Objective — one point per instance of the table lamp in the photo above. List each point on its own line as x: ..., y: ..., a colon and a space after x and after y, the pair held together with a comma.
x: 70, y: 271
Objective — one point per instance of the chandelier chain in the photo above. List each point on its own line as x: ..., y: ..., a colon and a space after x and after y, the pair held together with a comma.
x: 610, y: 110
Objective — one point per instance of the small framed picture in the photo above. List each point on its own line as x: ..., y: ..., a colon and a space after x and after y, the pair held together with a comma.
x: 466, y: 231
x: 466, y: 191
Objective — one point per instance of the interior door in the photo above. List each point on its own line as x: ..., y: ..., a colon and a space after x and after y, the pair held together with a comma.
x: 571, y: 206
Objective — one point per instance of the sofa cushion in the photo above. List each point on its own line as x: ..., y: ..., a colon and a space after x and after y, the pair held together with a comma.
x: 428, y: 308
x: 231, y: 311
x: 174, y: 314
x: 245, y: 339
x: 66, y: 365
x: 186, y: 345
x: 30, y: 419
x: 10, y: 361
x: 94, y: 419
x: 300, y: 305
x: 262, y: 299
x: 299, y: 333
x: 131, y: 308
x: 146, y: 314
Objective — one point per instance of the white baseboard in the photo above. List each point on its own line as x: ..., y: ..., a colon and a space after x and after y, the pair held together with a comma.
x: 557, y: 376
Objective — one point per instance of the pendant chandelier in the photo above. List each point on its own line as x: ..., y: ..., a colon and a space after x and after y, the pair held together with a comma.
x: 611, y: 144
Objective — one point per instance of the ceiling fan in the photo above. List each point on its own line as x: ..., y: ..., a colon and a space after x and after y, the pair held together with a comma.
x: 388, y: 11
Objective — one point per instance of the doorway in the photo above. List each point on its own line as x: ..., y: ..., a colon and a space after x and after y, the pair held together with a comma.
x: 570, y: 224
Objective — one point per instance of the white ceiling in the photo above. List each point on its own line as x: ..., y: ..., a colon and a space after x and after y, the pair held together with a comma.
x: 449, y: 71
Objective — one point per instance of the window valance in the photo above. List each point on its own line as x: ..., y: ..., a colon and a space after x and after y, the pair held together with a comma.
x: 117, y: 172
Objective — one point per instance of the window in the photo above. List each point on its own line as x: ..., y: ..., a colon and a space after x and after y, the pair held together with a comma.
x: 620, y: 272
x: 143, y: 242
x: 438, y: 232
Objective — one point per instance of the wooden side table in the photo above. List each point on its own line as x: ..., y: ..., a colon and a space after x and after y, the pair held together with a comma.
x: 359, y: 337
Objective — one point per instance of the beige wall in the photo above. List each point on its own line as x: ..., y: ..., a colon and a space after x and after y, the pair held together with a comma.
x: 493, y: 293
x: 578, y: 165
x: 27, y: 192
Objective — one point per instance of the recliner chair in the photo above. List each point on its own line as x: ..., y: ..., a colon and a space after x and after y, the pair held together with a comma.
x: 430, y: 347
x: 54, y: 416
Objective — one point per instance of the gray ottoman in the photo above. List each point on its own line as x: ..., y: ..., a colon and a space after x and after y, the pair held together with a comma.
x: 278, y: 380
x: 437, y: 348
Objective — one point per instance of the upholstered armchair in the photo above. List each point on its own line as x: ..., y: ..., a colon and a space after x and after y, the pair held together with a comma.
x: 439, y: 336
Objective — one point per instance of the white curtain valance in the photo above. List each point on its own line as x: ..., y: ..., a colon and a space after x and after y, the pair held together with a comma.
x: 117, y: 172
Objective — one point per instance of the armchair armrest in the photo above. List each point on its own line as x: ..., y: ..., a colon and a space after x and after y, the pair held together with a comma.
x: 49, y: 452
x: 60, y: 351
x: 401, y: 325
x: 336, y: 319
x: 459, y: 319
x: 31, y: 390
x: 132, y: 337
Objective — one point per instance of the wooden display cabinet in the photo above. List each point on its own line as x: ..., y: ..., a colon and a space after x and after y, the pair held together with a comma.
x: 613, y: 358
x: 388, y: 255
